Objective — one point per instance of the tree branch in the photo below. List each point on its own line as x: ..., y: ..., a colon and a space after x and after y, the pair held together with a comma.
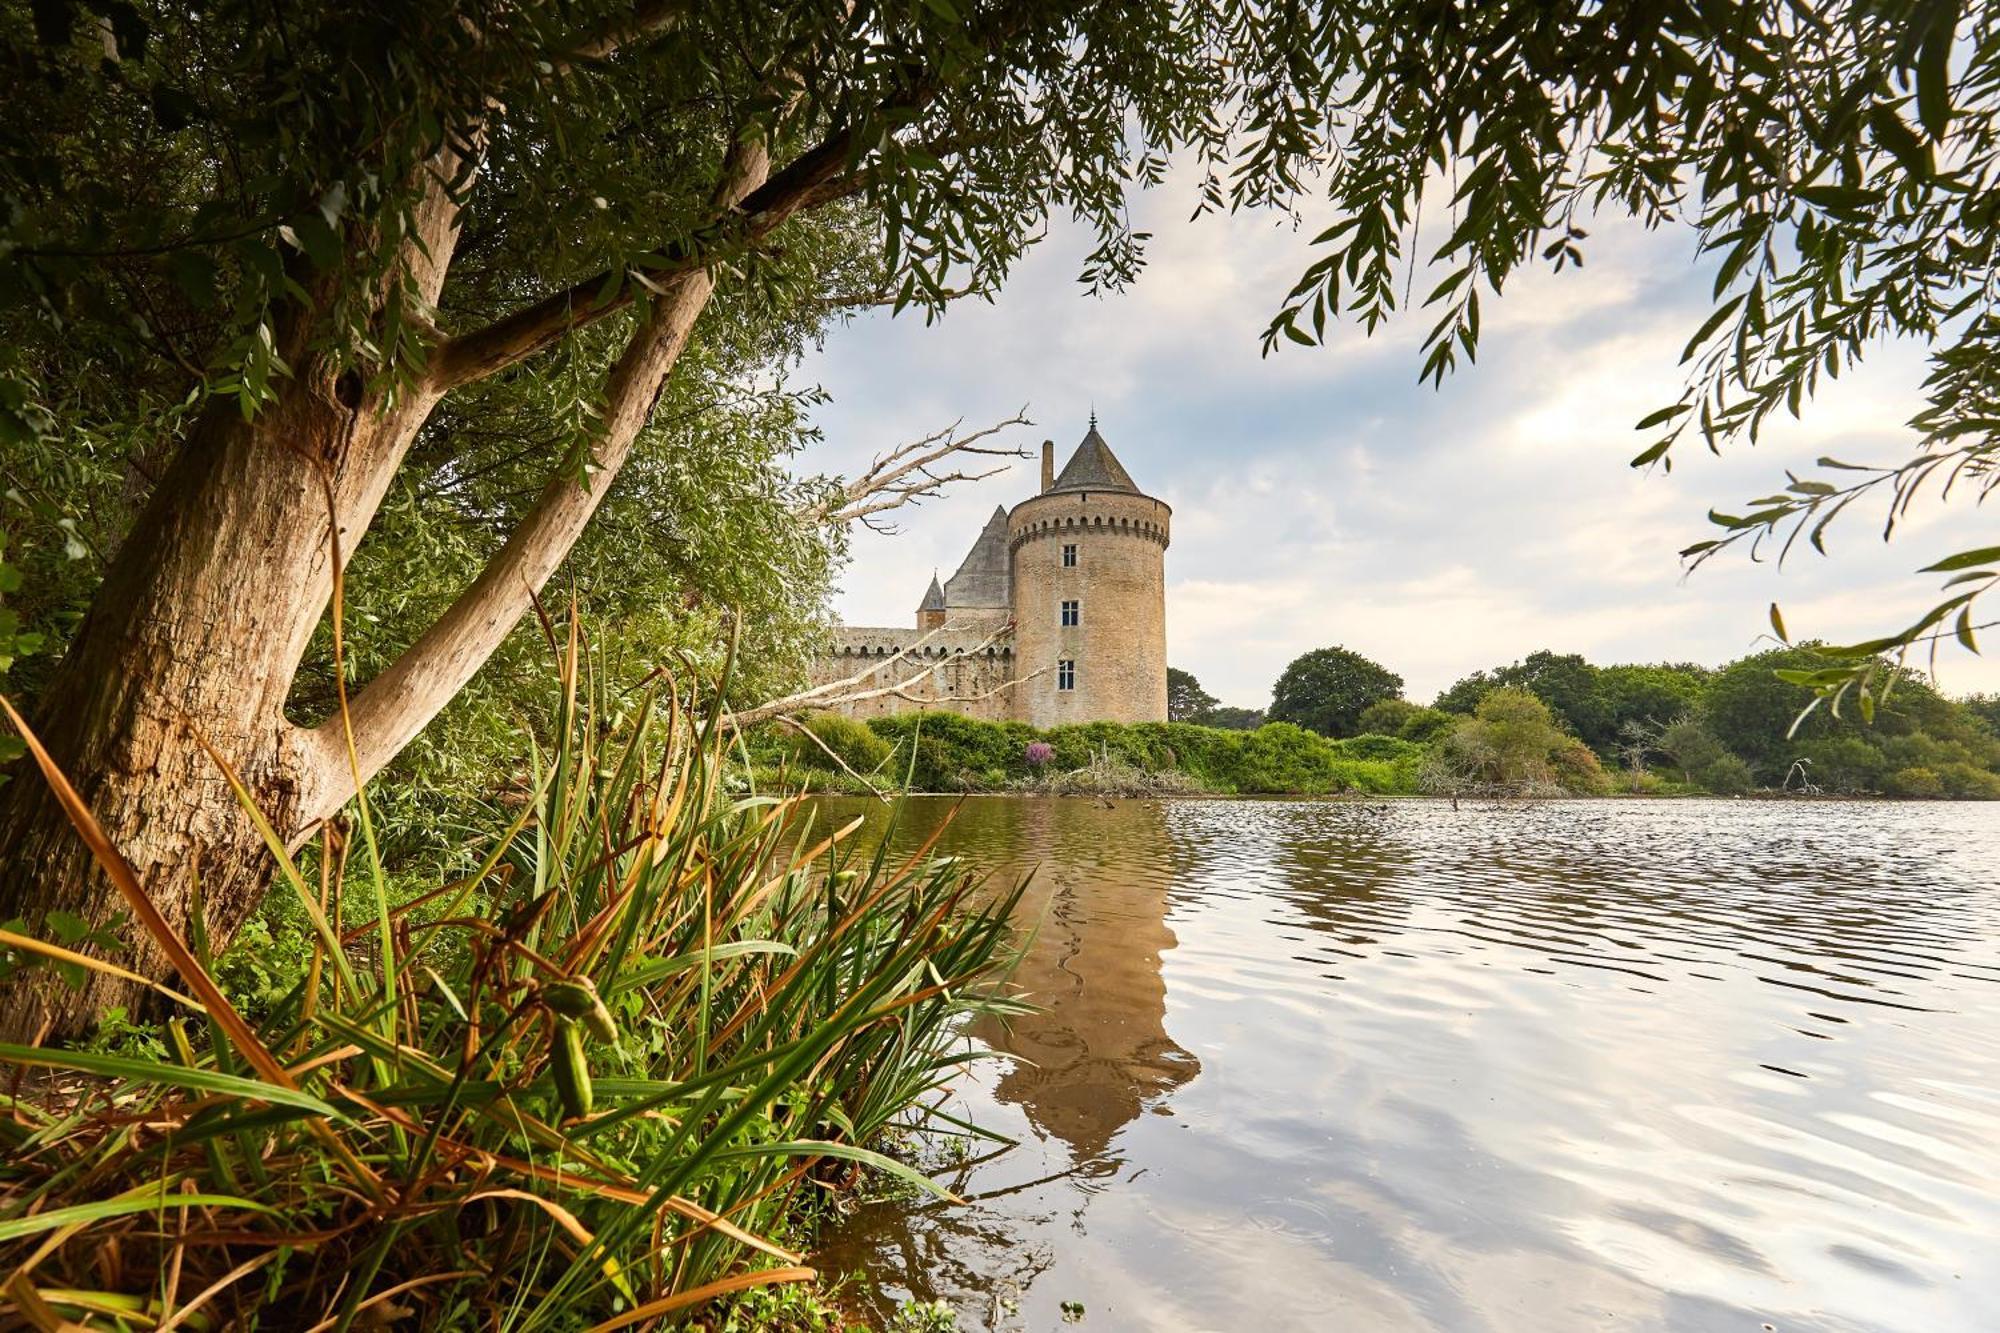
x: 533, y: 328
x: 854, y: 689
x: 647, y: 20
x: 398, y: 703
x: 905, y: 474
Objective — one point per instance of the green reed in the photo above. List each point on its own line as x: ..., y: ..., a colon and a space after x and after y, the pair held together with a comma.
x: 583, y: 1086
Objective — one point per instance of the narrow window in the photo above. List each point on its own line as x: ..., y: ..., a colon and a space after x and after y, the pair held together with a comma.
x: 1070, y: 614
x: 1069, y: 557
x: 1065, y: 674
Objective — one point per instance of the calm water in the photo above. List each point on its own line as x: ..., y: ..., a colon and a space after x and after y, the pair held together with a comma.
x: 1624, y: 1065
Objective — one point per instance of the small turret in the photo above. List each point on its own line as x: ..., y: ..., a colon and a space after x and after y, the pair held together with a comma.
x: 931, y: 611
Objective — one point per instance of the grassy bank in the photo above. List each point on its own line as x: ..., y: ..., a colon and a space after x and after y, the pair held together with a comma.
x: 1510, y: 744
x: 947, y: 753
x: 600, y: 1081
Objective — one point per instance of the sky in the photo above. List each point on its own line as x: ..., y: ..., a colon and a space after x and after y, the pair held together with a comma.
x: 1323, y: 496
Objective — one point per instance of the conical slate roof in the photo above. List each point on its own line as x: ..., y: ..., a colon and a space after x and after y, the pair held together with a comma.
x: 981, y: 579
x: 934, y: 599
x: 1093, y: 467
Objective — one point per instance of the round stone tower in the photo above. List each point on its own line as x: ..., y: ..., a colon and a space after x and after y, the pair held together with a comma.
x: 1088, y: 576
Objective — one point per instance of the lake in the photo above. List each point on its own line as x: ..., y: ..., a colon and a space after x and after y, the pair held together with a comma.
x: 1728, y: 1065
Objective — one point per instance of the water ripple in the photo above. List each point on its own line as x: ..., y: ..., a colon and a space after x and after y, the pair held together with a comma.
x: 1652, y: 1065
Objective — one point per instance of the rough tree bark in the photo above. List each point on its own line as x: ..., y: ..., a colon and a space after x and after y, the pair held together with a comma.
x: 208, y: 607
x: 196, y: 634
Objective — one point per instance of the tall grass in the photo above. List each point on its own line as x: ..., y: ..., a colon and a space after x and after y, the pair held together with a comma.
x: 583, y: 1086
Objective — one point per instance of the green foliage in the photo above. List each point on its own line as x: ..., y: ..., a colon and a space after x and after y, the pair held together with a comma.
x: 1834, y: 161
x: 1187, y: 701
x: 1377, y: 747
x: 1426, y: 725
x: 955, y: 753
x: 1725, y: 775
x: 1235, y: 719
x: 1385, y: 717
x: 1597, y: 704
x: 1284, y: 758
x: 1986, y: 708
x: 1690, y: 746
x: 1512, y: 745
x: 948, y: 752
x: 745, y: 1020
x: 1740, y: 727
x: 849, y: 741
x: 1721, y: 731
x: 1327, y: 690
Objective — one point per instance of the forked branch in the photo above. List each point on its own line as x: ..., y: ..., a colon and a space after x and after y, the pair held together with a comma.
x: 856, y: 688
x: 909, y: 474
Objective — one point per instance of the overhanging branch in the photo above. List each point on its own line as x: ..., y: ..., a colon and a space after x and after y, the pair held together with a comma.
x: 855, y: 688
x: 907, y: 474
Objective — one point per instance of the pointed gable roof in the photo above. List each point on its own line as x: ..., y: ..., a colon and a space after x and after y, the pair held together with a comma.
x: 1093, y: 467
x: 934, y: 598
x: 981, y: 579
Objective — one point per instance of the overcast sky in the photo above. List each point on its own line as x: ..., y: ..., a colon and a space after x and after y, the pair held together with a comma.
x: 1322, y: 496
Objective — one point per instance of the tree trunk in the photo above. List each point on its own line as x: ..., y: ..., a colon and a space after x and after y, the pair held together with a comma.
x: 206, y: 610
x: 196, y: 632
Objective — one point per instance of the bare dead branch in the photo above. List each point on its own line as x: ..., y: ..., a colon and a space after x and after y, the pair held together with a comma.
x: 855, y: 688
x: 908, y: 475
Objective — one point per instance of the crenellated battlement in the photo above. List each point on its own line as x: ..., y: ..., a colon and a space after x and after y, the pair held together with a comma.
x: 1095, y: 524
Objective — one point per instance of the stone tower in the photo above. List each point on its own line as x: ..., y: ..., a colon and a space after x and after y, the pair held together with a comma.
x: 1088, y: 581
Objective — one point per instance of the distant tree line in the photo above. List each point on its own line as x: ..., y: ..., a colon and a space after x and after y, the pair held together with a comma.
x: 1749, y: 724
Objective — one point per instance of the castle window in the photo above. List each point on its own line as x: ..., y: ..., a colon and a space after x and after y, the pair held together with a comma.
x: 1071, y: 613
x: 1066, y: 674
x: 1069, y: 556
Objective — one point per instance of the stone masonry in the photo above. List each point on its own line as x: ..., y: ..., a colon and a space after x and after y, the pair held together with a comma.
x: 1057, y: 613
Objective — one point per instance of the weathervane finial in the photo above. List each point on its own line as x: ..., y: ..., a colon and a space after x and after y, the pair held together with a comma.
x: 1093, y: 416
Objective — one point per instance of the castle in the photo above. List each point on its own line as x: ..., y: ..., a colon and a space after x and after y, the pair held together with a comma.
x: 1057, y: 614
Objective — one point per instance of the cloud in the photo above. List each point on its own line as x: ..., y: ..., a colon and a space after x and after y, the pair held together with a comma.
x: 1323, y: 496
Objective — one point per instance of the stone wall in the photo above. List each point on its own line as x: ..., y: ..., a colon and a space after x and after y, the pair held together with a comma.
x: 965, y: 665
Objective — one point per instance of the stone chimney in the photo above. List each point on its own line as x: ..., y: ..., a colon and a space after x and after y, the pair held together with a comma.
x: 1048, y: 464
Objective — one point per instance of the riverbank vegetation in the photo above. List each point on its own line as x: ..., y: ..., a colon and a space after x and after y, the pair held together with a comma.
x: 597, y: 1078
x: 1548, y: 724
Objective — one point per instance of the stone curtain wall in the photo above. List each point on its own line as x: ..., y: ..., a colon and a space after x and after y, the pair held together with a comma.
x: 963, y: 668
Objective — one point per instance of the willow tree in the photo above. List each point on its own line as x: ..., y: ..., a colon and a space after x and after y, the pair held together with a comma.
x: 328, y: 222
x: 323, y: 223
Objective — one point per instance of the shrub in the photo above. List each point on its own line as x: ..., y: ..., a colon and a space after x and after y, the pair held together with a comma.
x: 1426, y: 724
x: 1914, y: 782
x: 1377, y: 747
x: 1725, y: 775
x: 1964, y: 781
x: 1691, y: 747
x: 950, y: 752
x: 1845, y: 764
x: 1281, y: 758
x: 849, y: 740
x: 1577, y: 770
x: 1511, y: 745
